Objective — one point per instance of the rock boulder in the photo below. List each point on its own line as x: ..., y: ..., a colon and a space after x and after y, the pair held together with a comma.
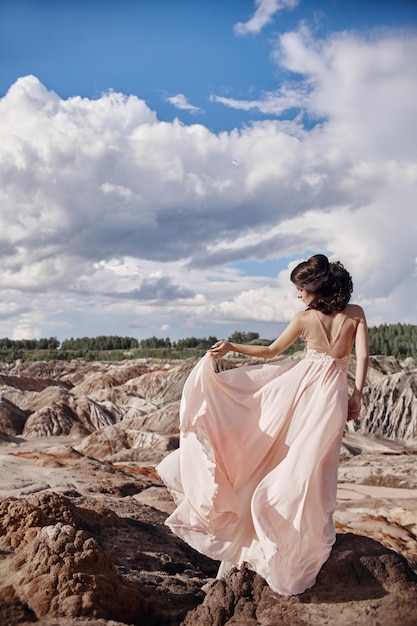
x: 362, y: 583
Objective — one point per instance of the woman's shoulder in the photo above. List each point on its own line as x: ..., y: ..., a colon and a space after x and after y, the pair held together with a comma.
x: 299, y: 322
x: 302, y: 316
x: 354, y: 311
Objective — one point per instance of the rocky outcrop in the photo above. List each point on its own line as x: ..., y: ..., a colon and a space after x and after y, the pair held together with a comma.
x: 56, y: 569
x: 121, y: 444
x: 74, y: 559
x: 26, y: 383
x: 377, y: 496
x: 82, y: 534
x: 12, y: 418
x: 65, y: 561
x: 144, y: 395
x: 380, y: 365
x: 362, y: 583
x: 63, y: 572
x: 69, y: 415
x: 391, y: 406
x: 94, y: 397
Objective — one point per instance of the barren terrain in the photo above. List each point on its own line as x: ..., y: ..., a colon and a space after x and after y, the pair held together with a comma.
x: 82, y: 510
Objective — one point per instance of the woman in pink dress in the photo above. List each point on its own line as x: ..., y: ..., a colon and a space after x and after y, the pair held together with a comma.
x: 254, y: 479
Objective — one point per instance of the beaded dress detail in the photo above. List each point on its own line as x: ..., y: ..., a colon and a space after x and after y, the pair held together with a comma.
x: 254, y: 479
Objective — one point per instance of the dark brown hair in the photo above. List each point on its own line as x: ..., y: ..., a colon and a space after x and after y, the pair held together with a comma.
x: 331, y: 282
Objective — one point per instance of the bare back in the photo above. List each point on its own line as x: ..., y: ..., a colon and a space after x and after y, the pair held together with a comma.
x: 333, y: 334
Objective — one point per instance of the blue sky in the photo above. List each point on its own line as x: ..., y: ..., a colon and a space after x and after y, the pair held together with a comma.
x: 159, y: 48
x: 164, y: 163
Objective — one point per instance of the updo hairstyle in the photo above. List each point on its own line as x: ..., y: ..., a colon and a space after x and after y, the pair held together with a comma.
x: 331, y: 282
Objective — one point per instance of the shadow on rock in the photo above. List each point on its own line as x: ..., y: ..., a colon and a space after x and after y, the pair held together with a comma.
x: 61, y: 560
x: 359, y: 568
x: 362, y: 583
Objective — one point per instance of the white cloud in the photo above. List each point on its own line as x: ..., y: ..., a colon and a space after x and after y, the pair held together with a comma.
x: 275, y: 103
x: 111, y: 219
x: 265, y: 11
x: 181, y: 102
x: 117, y: 189
x: 25, y: 329
x: 363, y: 87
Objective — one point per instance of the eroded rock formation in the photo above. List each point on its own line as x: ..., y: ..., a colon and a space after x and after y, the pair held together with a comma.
x: 63, y: 560
x: 391, y: 406
x: 82, y: 510
x: 143, y: 396
x: 362, y: 583
x: 67, y: 558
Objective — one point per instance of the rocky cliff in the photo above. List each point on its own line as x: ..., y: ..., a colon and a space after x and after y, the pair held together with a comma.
x: 391, y: 406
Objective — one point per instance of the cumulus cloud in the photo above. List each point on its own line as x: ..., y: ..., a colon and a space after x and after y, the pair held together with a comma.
x: 265, y: 11
x: 357, y: 97
x: 25, y: 329
x: 109, y: 214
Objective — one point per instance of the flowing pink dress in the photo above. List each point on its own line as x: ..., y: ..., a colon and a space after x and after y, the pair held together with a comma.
x: 255, y: 476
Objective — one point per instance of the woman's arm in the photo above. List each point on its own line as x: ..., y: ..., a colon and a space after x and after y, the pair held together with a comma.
x: 284, y: 341
x: 362, y: 361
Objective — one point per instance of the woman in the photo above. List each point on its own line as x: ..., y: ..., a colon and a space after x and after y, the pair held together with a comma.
x: 255, y: 476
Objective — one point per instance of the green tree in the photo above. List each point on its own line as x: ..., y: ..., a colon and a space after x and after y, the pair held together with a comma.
x: 241, y: 337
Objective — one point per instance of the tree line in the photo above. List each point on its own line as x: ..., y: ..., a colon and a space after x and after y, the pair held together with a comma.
x: 399, y: 340
x: 103, y: 342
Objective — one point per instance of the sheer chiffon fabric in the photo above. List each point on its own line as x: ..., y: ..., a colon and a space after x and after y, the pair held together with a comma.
x: 255, y: 476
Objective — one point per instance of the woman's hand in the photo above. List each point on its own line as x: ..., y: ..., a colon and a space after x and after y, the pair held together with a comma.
x: 354, y: 406
x: 219, y: 349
